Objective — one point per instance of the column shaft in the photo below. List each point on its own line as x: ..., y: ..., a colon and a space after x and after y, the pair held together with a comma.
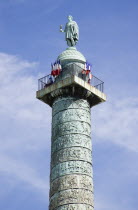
x: 71, y: 181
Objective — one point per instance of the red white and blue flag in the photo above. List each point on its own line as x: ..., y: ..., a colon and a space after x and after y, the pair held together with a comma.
x: 87, y: 68
x: 56, y: 68
x: 87, y: 71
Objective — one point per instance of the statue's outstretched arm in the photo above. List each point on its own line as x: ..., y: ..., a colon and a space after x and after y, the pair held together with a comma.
x: 61, y: 29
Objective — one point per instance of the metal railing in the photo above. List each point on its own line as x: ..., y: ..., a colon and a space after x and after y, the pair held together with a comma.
x: 48, y: 80
x: 97, y: 83
x: 45, y: 81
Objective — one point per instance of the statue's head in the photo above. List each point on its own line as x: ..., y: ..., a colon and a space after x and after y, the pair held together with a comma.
x: 70, y: 18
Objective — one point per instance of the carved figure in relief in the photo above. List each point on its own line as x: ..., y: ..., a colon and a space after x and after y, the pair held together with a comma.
x: 71, y: 208
x: 72, y: 182
x: 70, y: 127
x: 71, y: 139
x: 71, y: 167
x: 70, y: 115
x: 70, y: 103
x: 71, y: 196
x: 76, y: 207
x: 85, y: 182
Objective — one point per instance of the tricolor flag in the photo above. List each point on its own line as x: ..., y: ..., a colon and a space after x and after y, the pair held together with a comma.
x: 56, y: 68
x: 87, y: 71
x: 87, y: 68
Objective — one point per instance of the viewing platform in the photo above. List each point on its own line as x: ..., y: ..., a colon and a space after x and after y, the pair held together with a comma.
x: 72, y: 79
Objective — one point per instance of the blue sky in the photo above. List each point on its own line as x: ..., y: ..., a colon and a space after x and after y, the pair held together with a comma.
x: 29, y: 42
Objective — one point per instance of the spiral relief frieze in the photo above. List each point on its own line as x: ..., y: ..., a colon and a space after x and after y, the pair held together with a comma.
x: 71, y: 140
x: 71, y: 182
x: 71, y: 196
x: 71, y: 178
x: 71, y: 167
x: 76, y: 207
x: 71, y: 115
x: 71, y: 127
x: 73, y: 153
x: 69, y: 103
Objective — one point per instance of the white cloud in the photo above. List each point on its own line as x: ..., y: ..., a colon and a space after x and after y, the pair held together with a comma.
x: 20, y: 114
x: 116, y: 121
x: 12, y: 63
x: 18, y: 88
x: 22, y: 172
x: 19, y: 105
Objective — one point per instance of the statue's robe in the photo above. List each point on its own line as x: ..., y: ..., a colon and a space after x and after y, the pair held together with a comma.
x: 72, y: 31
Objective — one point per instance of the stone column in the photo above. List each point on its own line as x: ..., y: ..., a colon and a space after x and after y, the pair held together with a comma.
x: 71, y: 181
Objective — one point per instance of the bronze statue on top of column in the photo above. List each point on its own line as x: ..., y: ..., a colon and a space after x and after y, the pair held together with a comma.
x: 71, y: 32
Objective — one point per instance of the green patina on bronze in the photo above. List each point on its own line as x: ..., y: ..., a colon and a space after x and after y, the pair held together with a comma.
x: 71, y: 32
x: 71, y: 163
